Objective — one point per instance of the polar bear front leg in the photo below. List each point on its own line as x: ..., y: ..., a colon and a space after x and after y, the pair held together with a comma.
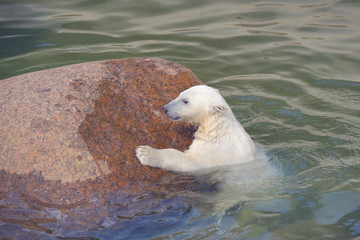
x: 168, y: 159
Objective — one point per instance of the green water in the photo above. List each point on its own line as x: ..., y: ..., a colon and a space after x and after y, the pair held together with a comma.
x: 290, y: 71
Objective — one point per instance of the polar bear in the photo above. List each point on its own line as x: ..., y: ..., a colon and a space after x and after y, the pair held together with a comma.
x: 219, y: 140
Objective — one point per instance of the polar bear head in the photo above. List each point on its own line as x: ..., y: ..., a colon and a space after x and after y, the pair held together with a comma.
x: 196, y: 105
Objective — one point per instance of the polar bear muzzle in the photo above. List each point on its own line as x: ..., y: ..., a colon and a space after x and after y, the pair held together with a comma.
x: 168, y: 111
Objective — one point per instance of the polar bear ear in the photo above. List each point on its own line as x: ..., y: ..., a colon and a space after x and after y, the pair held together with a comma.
x: 220, y: 109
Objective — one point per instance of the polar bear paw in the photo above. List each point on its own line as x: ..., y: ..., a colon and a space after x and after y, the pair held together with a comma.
x: 147, y: 155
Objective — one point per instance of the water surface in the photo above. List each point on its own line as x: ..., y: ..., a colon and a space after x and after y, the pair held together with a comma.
x: 290, y: 71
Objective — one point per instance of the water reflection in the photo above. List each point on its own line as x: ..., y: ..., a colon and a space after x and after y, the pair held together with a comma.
x: 335, y: 205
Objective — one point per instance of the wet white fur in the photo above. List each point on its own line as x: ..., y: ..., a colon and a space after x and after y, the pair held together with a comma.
x: 219, y: 140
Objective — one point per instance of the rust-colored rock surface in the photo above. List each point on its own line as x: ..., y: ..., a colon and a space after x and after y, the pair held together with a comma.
x: 69, y: 132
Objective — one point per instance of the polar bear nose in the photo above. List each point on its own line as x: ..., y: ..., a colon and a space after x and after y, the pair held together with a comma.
x: 165, y: 109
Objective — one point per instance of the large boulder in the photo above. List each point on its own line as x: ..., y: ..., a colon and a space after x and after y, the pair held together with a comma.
x: 69, y: 132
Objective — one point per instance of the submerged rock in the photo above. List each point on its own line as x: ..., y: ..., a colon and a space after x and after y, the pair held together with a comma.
x: 69, y: 132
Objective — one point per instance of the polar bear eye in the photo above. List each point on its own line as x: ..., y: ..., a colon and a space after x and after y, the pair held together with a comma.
x: 185, y: 101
